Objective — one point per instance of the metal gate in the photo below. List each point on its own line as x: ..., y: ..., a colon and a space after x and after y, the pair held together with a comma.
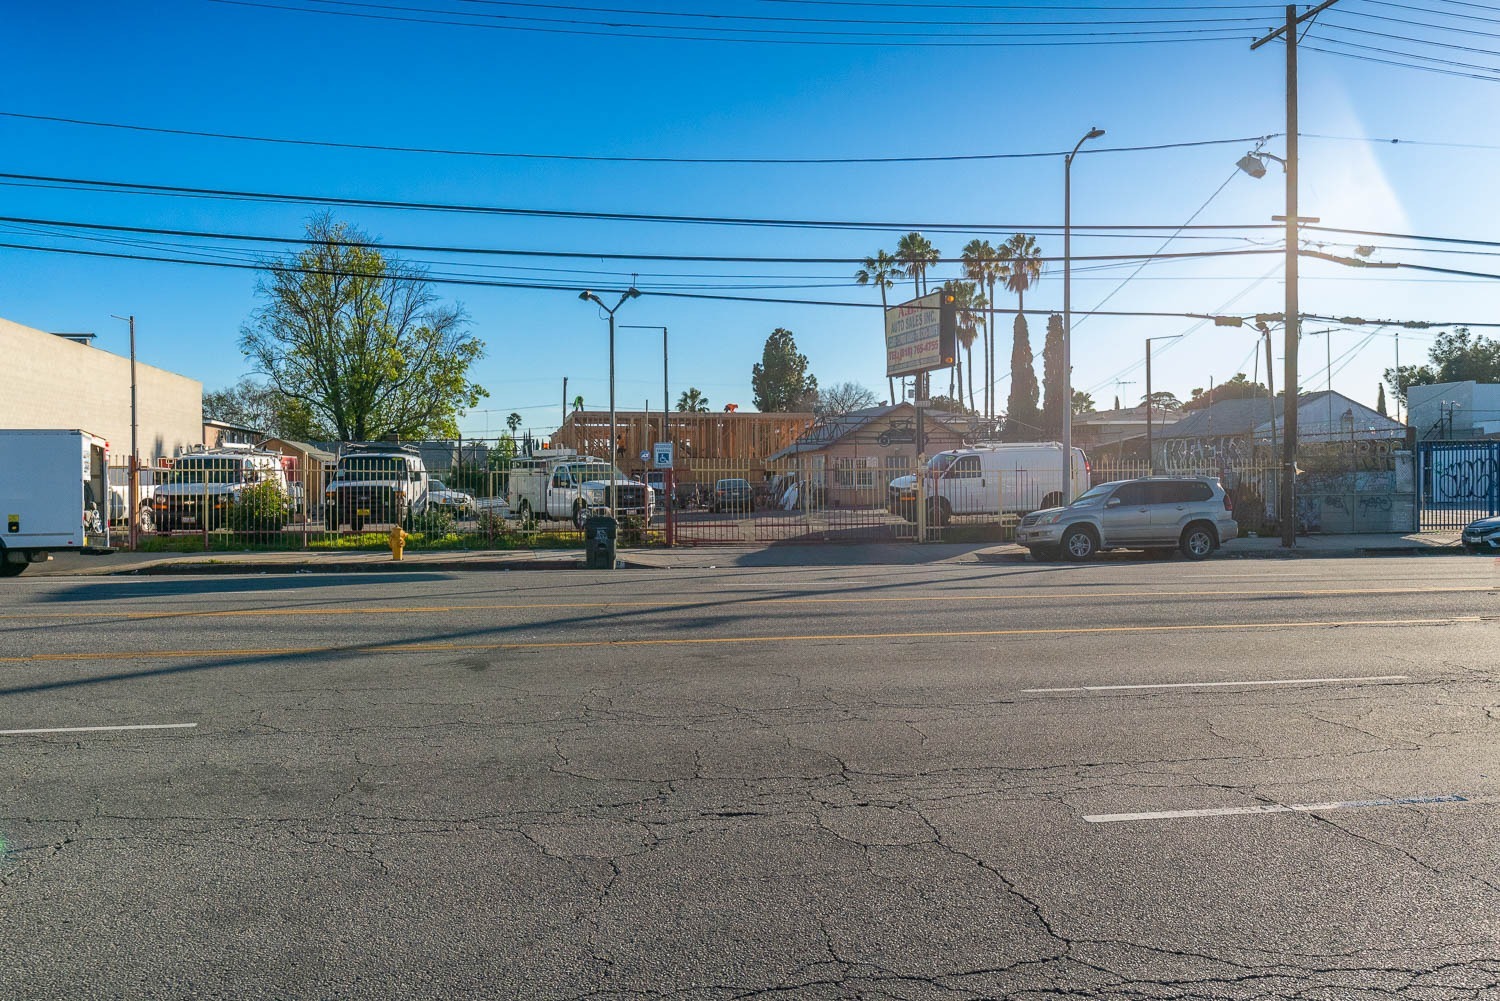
x: 1458, y: 482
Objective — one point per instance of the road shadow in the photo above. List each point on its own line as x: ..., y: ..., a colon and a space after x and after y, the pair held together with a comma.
x: 184, y: 587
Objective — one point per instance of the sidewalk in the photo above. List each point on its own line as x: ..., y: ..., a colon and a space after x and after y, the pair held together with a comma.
x: 695, y: 557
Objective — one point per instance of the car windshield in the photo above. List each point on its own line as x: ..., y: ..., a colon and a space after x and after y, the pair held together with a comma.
x: 597, y: 471
x: 372, y: 468
x: 437, y: 485
x: 1094, y: 493
x: 206, y: 470
x: 940, y: 462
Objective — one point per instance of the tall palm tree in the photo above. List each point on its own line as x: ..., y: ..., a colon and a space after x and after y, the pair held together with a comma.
x: 1020, y: 266
x: 916, y: 253
x: 981, y: 266
x: 882, y: 270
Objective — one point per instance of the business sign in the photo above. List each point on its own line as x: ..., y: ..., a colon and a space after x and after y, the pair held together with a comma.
x: 921, y: 335
x: 661, y: 454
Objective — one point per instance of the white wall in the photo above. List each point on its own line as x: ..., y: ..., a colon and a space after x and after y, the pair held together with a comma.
x: 47, y: 381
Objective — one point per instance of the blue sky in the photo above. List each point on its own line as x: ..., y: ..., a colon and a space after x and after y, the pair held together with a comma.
x: 200, y: 65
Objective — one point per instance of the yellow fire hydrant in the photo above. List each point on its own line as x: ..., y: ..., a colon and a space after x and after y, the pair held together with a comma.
x: 398, y: 541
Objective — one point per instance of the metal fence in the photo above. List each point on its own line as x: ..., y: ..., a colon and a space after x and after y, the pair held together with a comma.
x: 1252, y: 485
x: 810, y: 498
x: 1458, y: 482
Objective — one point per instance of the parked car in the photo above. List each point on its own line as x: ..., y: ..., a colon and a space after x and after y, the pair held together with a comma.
x: 1483, y: 535
x: 1192, y: 514
x: 733, y: 495
x: 441, y: 497
x: 1009, y: 478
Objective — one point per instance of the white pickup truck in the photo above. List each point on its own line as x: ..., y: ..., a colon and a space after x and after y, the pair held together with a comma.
x: 573, y: 487
x: 51, y: 485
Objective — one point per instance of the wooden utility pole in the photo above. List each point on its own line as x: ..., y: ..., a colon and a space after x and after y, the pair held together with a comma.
x: 1288, y: 506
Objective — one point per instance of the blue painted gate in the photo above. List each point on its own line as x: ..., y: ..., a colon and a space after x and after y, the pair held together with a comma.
x: 1457, y: 482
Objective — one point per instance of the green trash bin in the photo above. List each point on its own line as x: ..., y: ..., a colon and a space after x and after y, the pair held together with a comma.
x: 600, y: 533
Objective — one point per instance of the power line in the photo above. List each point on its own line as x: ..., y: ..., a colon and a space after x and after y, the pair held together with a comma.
x: 591, y: 158
x: 129, y: 187
x: 1078, y: 39
x: 715, y: 16
x: 1393, y: 62
x: 534, y: 286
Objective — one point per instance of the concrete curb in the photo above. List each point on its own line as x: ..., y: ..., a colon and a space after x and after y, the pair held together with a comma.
x: 414, y: 566
x: 1270, y: 554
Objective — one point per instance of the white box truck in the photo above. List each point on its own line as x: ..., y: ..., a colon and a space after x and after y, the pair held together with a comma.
x: 52, y: 484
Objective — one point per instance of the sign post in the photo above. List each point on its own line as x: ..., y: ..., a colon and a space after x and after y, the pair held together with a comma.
x: 661, y: 458
x: 921, y: 335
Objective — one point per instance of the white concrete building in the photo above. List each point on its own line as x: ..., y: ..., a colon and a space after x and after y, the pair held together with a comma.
x: 62, y: 381
x: 1454, y: 411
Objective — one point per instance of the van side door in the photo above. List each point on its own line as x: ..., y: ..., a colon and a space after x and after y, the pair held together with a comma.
x: 961, y: 485
x: 560, y: 493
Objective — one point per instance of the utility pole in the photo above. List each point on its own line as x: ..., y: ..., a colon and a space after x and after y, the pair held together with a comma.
x: 132, y: 476
x: 565, y: 404
x: 1293, y: 316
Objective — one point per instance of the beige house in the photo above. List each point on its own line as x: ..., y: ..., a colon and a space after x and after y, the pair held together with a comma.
x: 856, y: 455
x: 63, y: 381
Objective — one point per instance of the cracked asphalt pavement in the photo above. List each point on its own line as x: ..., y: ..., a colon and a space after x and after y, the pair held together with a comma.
x: 1161, y: 780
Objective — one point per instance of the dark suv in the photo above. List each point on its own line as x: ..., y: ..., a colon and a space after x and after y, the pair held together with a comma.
x: 1156, y: 513
x: 733, y: 495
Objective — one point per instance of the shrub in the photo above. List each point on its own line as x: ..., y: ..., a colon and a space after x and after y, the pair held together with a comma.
x: 263, y: 507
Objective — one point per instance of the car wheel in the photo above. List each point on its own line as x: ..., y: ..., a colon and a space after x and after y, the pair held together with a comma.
x: 1198, y: 541
x: 523, y: 513
x: 580, y: 515
x: 1079, y: 544
x: 145, y: 519
x: 9, y: 569
x: 939, y: 513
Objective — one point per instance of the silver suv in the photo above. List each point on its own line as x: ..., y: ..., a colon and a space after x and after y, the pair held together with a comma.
x: 1156, y: 513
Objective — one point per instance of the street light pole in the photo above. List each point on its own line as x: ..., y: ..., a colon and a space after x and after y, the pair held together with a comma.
x: 588, y: 296
x: 665, y: 397
x: 1067, y: 340
x: 132, y: 477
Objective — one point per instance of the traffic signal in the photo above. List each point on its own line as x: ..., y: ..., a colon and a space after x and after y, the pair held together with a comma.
x: 948, y: 328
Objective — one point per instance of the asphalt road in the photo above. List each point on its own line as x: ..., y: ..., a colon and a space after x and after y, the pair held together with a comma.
x: 1237, y: 779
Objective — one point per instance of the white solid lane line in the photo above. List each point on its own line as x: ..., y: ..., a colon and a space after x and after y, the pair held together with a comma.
x: 1240, y: 811
x: 1216, y: 684
x: 96, y: 729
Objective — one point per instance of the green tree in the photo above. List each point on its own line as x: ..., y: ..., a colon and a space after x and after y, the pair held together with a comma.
x: 1022, y: 418
x: 253, y: 404
x: 692, y: 402
x: 916, y: 253
x: 1238, y: 388
x: 982, y: 266
x: 514, y: 423
x: 1083, y: 403
x: 361, y: 340
x: 948, y: 404
x: 1458, y: 355
x: 1052, y: 377
x: 882, y: 270
x: 1020, y: 268
x: 1380, y: 400
x: 780, y: 379
x: 1165, y: 401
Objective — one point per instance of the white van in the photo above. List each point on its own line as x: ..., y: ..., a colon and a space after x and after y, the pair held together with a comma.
x: 1004, y: 478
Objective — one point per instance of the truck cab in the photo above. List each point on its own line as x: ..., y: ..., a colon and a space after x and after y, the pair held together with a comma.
x: 198, y: 490
x: 376, y: 484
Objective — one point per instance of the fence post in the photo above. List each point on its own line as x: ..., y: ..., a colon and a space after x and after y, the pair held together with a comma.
x: 668, y: 491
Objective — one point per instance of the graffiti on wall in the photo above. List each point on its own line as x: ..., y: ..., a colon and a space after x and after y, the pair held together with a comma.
x: 1465, y: 475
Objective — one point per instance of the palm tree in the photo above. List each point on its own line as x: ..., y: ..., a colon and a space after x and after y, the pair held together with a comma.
x: 916, y: 253
x: 981, y: 266
x: 881, y: 271
x: 1020, y: 266
x: 692, y: 402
